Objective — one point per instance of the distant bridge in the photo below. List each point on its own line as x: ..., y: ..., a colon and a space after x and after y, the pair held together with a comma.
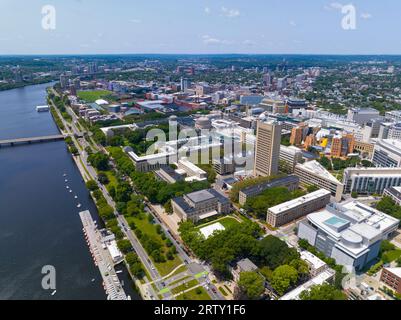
x: 19, y: 141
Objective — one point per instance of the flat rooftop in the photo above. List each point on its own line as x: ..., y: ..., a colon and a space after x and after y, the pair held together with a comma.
x: 200, y: 196
x: 299, y: 201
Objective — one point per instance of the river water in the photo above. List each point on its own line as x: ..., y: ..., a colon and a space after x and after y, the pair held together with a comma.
x: 39, y: 221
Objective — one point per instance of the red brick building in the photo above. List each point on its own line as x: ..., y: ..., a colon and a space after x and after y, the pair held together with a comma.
x: 392, y: 278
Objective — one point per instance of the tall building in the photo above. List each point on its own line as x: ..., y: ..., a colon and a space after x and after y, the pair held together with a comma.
x: 267, y: 152
x: 296, y: 136
x: 185, y: 84
x: 342, y: 146
x: 63, y: 81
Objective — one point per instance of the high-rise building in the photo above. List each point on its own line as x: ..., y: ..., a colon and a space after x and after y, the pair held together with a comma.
x: 185, y: 84
x: 297, y: 135
x: 18, y: 78
x: 63, y: 81
x: 267, y: 152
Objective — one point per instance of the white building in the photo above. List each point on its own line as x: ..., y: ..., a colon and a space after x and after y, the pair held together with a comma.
x: 387, y: 153
x: 362, y: 115
x: 313, y: 173
x: 370, y: 180
x: 350, y: 233
x: 290, y: 157
x: 316, y: 265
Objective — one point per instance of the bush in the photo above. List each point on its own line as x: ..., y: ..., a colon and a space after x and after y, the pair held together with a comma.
x: 92, y: 185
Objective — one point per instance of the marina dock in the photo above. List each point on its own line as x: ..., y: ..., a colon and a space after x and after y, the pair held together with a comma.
x: 102, y: 258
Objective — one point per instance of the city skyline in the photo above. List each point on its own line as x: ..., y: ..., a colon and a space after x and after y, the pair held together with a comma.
x: 205, y: 27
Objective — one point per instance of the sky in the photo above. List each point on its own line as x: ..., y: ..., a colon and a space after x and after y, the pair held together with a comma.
x: 200, y: 27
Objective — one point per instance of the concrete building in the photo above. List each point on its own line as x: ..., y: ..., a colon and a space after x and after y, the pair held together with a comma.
x: 244, y: 265
x: 387, y: 153
x: 169, y: 175
x: 325, y: 277
x: 362, y: 115
x: 367, y: 181
x: 223, y: 166
x: 366, y: 149
x: 394, y: 193
x: 350, y: 233
x: 193, y: 172
x: 313, y: 173
x: 289, y: 158
x: 290, y: 182
x: 316, y: 265
x: 294, y: 209
x: 200, y: 205
x: 391, y: 277
x: 267, y: 151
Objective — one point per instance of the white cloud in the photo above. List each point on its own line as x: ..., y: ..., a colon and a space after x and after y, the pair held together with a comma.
x: 230, y: 13
x: 366, y: 15
x: 293, y: 23
x: 249, y: 43
x: 207, y: 10
x: 208, y: 40
x: 135, y: 20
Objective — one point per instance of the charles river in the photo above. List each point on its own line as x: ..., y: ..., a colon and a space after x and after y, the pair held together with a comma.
x: 39, y: 221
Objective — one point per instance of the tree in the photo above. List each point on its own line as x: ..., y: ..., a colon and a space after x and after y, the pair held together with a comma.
x: 124, y: 246
x: 99, y: 160
x: 92, y: 185
x: 283, y: 278
x: 251, y: 285
x: 354, y: 194
x: 103, y: 178
x: 323, y: 292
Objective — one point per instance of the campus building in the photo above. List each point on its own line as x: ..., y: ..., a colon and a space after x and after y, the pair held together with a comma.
x: 392, y: 278
x: 290, y: 182
x: 289, y: 158
x: 394, y: 193
x: 387, y: 153
x: 200, y: 205
x: 294, y: 209
x: 367, y: 181
x: 313, y: 173
x: 350, y: 233
x: 267, y: 152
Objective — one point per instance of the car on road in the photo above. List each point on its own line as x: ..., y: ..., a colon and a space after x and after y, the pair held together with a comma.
x: 153, y: 268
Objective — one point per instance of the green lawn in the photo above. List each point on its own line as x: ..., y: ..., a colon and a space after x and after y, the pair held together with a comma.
x: 192, y: 295
x: 179, y: 280
x: 179, y: 270
x: 221, y: 289
x: 185, y: 286
x: 227, y: 222
x: 92, y: 96
x: 150, y: 229
x: 112, y: 178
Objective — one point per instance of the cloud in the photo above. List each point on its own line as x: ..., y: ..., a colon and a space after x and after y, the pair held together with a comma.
x: 249, y: 43
x: 207, y: 10
x: 135, y: 20
x: 366, y: 15
x: 293, y: 23
x: 334, y: 6
x: 208, y: 40
x: 230, y: 13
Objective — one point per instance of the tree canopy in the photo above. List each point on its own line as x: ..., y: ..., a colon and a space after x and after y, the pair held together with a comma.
x: 251, y: 285
x: 323, y: 292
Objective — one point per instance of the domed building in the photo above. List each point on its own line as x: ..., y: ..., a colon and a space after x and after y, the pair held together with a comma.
x: 203, y: 123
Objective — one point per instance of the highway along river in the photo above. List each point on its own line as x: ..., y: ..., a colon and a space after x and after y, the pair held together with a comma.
x: 39, y: 221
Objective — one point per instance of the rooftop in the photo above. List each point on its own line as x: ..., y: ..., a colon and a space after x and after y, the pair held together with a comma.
x: 299, y: 201
x: 316, y: 168
x: 200, y: 196
x: 395, y: 271
x: 246, y: 265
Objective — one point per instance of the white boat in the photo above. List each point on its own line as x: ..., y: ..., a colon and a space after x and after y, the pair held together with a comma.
x: 79, y: 205
x: 67, y: 187
x: 76, y: 197
x: 66, y: 180
x: 70, y: 191
x: 119, y: 271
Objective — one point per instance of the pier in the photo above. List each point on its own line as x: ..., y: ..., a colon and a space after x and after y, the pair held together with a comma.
x: 14, y: 142
x: 102, y: 258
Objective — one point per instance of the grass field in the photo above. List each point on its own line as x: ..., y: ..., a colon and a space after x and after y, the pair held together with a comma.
x: 185, y: 286
x: 193, y: 295
x: 227, y: 222
x: 92, y: 96
x: 150, y: 229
